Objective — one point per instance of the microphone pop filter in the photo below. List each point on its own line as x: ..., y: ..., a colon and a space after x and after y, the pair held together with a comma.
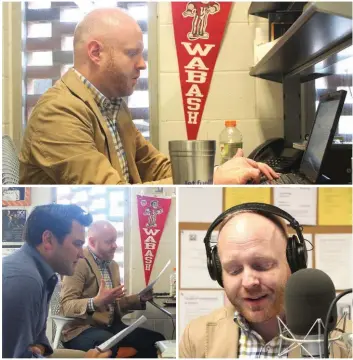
x: 307, y: 297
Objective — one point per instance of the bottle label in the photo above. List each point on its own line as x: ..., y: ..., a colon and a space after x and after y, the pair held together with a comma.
x: 228, y: 150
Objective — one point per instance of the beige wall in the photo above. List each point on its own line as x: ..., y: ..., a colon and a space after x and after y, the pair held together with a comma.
x: 11, y: 71
x: 255, y: 103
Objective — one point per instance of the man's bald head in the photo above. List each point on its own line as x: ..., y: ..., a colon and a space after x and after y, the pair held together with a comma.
x: 108, y: 51
x: 102, y: 237
x: 245, y: 226
x: 100, y: 227
x: 102, y: 25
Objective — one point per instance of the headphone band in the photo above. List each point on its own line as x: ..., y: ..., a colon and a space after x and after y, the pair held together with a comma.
x: 296, y: 252
x: 259, y: 208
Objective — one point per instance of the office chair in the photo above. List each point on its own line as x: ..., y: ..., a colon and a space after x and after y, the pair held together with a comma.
x: 10, y: 162
x: 58, y: 323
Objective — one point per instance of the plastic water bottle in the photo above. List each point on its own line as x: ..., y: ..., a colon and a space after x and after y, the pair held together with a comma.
x: 172, y: 283
x: 230, y: 140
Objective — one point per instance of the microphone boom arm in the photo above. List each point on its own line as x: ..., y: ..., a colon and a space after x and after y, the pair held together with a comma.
x: 333, y: 304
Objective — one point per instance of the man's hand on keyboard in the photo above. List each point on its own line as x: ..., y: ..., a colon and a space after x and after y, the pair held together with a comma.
x: 241, y: 170
x: 266, y: 170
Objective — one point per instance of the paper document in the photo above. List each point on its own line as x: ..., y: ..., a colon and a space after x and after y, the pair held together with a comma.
x: 120, y: 335
x: 194, y: 304
x: 194, y: 273
x: 335, y: 206
x: 300, y: 202
x: 150, y: 285
x: 333, y: 256
x: 237, y: 196
x: 194, y: 204
x: 167, y: 348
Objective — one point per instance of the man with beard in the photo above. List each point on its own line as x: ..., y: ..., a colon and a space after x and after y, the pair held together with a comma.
x: 95, y: 297
x: 81, y: 131
x: 252, y: 254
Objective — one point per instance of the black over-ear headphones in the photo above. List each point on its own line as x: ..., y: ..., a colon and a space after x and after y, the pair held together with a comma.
x: 296, y: 249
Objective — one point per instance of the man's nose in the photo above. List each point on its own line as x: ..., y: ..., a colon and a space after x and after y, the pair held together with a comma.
x: 80, y: 253
x: 141, y: 65
x: 250, y: 278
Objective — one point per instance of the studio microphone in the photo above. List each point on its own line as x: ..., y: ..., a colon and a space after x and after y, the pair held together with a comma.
x: 307, y: 298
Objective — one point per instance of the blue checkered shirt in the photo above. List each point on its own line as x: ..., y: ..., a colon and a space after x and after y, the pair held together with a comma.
x: 252, y: 345
x: 105, y: 272
x: 110, y: 110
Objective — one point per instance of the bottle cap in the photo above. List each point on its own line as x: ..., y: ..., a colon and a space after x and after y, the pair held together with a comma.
x: 230, y: 123
x: 174, y: 269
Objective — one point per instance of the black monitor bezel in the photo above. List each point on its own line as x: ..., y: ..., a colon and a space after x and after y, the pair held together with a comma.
x: 340, y: 95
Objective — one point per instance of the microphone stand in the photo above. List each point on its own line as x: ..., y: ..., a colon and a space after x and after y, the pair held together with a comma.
x: 333, y: 304
x: 164, y: 311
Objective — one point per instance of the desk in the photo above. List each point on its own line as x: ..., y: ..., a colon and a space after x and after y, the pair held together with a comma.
x: 160, y: 302
x: 166, y: 349
x: 169, y: 311
x: 160, y: 318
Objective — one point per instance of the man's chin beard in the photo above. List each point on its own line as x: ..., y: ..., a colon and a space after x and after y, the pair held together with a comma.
x: 272, y: 310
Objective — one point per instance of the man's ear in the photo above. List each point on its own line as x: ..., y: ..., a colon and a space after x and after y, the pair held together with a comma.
x: 91, y: 241
x: 48, y: 240
x: 94, y: 49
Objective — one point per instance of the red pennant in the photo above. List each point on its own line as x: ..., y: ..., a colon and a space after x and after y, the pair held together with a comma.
x: 152, y: 213
x: 198, y: 31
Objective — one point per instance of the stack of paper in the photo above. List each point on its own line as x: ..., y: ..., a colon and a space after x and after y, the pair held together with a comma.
x: 120, y: 335
x: 167, y: 348
x: 150, y: 285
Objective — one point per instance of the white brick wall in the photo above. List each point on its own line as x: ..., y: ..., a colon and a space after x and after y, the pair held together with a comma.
x: 255, y: 103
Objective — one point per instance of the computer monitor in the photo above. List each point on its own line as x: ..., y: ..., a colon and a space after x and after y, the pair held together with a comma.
x: 322, y: 133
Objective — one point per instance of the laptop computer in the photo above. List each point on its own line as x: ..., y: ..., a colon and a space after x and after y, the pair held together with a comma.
x: 320, y: 139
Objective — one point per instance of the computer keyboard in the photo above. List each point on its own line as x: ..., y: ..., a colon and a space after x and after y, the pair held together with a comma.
x: 288, y: 179
x: 280, y: 164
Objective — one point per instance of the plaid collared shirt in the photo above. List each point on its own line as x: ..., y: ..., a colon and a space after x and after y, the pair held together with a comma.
x: 110, y: 110
x: 105, y: 272
x: 252, y: 345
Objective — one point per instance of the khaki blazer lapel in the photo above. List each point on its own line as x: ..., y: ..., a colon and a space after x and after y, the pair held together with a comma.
x: 114, y: 273
x: 73, y: 82
x: 128, y: 141
x: 93, y: 265
x: 222, y: 337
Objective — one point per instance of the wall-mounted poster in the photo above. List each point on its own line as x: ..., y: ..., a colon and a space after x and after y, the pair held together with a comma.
x: 13, y: 222
x: 16, y: 196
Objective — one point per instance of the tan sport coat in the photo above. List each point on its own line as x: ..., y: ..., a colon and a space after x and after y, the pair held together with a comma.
x: 83, y: 285
x: 217, y: 336
x: 67, y: 141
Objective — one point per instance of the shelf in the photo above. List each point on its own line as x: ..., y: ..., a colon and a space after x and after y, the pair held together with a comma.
x: 323, y: 27
x: 262, y: 9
